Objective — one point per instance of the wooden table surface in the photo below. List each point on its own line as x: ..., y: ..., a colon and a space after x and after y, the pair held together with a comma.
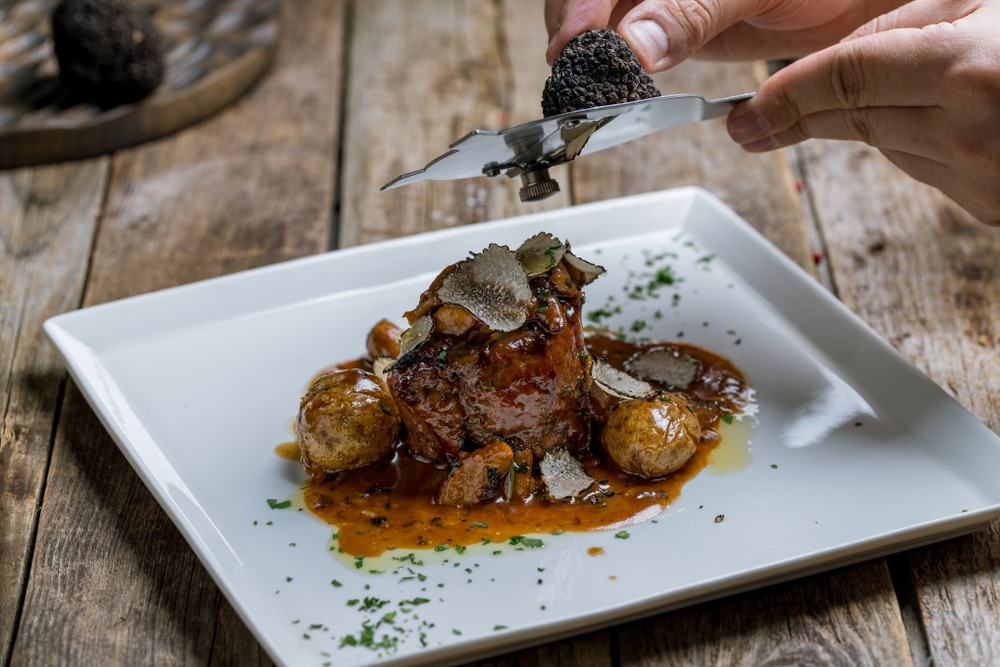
x: 92, y: 572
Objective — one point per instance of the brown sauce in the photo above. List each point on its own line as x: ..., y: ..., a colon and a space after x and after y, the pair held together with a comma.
x: 389, y: 504
x: 288, y: 450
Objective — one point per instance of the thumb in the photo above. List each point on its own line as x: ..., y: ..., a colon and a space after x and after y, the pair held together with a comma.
x: 662, y: 33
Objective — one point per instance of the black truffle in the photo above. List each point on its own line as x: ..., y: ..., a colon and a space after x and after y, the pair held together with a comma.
x: 109, y: 52
x: 596, y: 68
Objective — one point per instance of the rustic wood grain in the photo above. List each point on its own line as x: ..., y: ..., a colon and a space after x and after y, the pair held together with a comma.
x: 845, y: 618
x: 47, y: 220
x: 926, y: 277
x: 409, y: 100
x: 593, y: 649
x: 214, y: 50
x: 112, y: 581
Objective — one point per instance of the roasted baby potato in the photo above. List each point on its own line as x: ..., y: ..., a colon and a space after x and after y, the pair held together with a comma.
x: 346, y: 420
x: 651, y: 437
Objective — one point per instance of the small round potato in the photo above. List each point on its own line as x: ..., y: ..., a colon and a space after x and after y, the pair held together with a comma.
x: 346, y: 420
x: 651, y: 437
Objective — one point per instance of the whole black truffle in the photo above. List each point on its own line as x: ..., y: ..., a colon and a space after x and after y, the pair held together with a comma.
x: 109, y: 52
x: 596, y: 68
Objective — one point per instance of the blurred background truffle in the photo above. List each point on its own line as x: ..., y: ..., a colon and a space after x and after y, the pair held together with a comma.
x: 109, y: 51
x: 596, y: 68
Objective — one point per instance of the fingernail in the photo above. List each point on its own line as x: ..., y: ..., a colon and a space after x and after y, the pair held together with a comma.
x: 648, y: 39
x: 747, y: 125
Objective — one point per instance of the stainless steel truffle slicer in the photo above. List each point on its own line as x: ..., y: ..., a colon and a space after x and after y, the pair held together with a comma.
x: 528, y: 150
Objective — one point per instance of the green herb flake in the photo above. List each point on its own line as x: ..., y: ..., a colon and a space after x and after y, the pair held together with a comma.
x: 622, y: 534
x: 415, y: 602
x: 530, y: 542
x: 275, y: 505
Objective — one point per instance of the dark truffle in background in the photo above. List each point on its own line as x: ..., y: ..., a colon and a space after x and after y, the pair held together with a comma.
x: 109, y: 52
x: 596, y: 68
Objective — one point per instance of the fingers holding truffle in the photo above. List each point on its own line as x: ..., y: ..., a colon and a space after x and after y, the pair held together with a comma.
x: 651, y: 437
x: 595, y: 68
x: 346, y: 420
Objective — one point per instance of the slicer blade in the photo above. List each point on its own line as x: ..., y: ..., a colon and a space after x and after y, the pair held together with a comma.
x: 540, y: 144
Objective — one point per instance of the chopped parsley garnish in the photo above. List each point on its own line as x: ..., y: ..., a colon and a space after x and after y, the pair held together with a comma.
x: 530, y: 542
x: 275, y: 505
x: 622, y: 535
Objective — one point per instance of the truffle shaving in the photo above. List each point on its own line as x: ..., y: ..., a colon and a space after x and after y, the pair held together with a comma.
x: 380, y: 367
x: 416, y: 335
x: 493, y: 286
x: 589, y: 272
x: 563, y: 474
x: 618, y: 383
x: 659, y: 364
x: 541, y: 253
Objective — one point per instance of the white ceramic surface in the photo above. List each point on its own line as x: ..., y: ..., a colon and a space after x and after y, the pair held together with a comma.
x: 855, y: 453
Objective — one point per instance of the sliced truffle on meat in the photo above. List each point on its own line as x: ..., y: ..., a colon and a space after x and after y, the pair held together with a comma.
x: 503, y: 356
x: 380, y: 367
x: 415, y: 336
x: 493, y: 286
x: 666, y: 366
x: 563, y: 474
x: 587, y: 272
x: 596, y: 68
x: 541, y: 253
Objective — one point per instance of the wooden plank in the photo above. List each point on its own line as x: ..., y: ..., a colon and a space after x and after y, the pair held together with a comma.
x: 112, y: 581
x: 588, y: 650
x: 47, y: 223
x: 926, y: 277
x: 843, y: 619
x: 486, y: 70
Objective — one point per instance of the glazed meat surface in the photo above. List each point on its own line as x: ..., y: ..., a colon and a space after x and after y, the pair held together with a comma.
x: 468, y: 383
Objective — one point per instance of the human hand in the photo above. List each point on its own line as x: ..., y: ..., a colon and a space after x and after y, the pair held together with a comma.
x: 662, y: 33
x: 921, y: 84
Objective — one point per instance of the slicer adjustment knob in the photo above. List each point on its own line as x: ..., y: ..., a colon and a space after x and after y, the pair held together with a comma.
x: 537, y: 185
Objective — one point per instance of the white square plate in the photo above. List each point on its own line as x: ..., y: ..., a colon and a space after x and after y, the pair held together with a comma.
x: 855, y: 453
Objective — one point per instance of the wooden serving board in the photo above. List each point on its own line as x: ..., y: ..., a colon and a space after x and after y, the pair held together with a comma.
x: 215, y: 50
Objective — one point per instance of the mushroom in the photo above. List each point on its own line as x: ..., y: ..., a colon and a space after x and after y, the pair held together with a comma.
x: 477, y: 475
